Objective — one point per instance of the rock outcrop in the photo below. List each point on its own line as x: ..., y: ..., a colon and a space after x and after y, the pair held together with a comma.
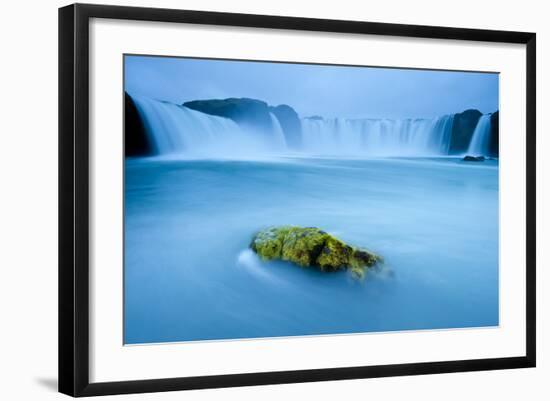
x: 136, y: 141
x: 494, y: 141
x: 469, y: 158
x: 254, y: 114
x: 290, y: 124
x: 248, y: 113
x: 463, y: 128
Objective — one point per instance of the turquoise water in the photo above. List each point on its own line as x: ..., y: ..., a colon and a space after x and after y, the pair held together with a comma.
x: 189, y: 276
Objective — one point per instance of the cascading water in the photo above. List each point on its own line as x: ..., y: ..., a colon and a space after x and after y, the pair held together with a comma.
x: 278, y: 132
x: 479, y: 144
x: 420, y: 137
x: 178, y: 130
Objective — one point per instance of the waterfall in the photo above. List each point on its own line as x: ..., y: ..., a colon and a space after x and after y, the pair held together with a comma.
x: 176, y: 130
x: 278, y: 132
x: 418, y: 137
x: 479, y: 145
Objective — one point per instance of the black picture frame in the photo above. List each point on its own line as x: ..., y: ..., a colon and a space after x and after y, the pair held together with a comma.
x: 74, y: 198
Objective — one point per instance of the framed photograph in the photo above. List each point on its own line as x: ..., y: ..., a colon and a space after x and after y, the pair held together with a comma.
x: 251, y: 199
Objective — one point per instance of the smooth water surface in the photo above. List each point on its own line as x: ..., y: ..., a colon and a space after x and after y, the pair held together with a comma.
x: 190, y: 276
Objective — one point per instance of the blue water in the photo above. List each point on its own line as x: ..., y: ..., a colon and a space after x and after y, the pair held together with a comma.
x: 189, y: 276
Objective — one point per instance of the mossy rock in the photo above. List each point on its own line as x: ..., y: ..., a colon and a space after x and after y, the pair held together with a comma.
x: 312, y: 247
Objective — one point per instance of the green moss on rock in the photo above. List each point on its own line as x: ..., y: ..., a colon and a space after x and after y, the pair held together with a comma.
x: 310, y: 246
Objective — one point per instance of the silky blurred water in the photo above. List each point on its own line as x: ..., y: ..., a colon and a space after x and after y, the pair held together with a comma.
x: 189, y: 276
